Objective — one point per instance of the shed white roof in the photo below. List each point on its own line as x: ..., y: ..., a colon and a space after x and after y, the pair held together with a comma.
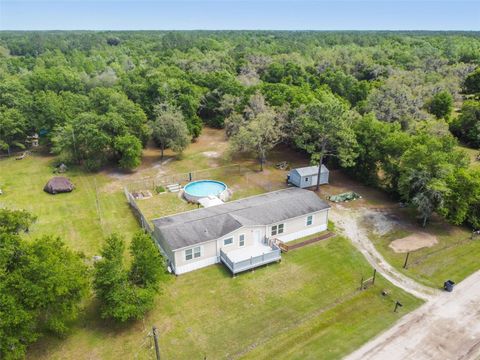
x: 310, y: 170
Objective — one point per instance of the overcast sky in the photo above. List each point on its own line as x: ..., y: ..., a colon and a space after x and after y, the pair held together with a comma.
x: 235, y: 14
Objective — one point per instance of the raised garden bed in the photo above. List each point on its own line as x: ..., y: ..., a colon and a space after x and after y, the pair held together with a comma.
x: 287, y: 247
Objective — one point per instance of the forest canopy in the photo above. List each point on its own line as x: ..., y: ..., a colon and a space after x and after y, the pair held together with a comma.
x: 391, y: 106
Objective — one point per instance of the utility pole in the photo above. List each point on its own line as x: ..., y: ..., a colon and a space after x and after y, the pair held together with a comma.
x: 397, y: 304
x: 406, y: 260
x: 155, y: 339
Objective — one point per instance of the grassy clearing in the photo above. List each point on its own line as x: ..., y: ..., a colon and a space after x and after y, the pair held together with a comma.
x: 337, y: 331
x: 75, y: 217
x: 308, y: 301
x: 472, y: 154
x: 310, y: 294
x: 243, y: 182
x: 454, y: 257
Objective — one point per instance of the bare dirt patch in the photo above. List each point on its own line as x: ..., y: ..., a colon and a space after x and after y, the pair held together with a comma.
x: 211, y: 154
x: 382, y: 222
x: 413, y: 242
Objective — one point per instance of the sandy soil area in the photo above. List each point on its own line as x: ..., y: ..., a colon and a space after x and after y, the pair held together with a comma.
x: 447, y: 327
x: 350, y: 222
x: 413, y: 242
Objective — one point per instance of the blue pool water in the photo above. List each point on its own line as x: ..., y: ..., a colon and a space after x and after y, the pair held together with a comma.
x: 204, y: 188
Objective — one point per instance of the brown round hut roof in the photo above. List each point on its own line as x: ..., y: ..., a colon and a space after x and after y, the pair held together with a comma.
x: 58, y: 184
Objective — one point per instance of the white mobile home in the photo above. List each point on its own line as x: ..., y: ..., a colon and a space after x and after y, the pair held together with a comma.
x: 307, y: 176
x: 240, y: 233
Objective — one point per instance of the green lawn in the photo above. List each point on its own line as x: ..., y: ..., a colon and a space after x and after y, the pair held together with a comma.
x: 305, y: 305
x: 243, y: 182
x: 74, y: 216
x: 308, y: 300
x: 472, y: 153
x: 454, y: 257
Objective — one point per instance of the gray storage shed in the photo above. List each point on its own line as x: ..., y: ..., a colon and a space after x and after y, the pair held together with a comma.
x: 307, y: 176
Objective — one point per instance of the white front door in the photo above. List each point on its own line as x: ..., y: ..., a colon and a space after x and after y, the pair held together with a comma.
x: 257, y: 236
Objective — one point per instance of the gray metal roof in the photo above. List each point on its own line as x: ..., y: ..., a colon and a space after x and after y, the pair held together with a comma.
x: 197, y: 226
x: 310, y: 170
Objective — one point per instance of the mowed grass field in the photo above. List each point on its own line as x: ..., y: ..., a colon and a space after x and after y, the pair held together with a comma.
x: 454, y: 257
x: 83, y: 218
x: 306, y: 306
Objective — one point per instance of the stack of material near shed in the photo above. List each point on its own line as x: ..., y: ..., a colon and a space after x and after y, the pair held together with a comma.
x: 58, y: 184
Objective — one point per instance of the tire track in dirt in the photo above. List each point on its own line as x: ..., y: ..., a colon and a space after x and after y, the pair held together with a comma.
x: 349, y: 222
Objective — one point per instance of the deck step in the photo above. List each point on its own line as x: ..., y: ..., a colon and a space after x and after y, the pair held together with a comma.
x: 174, y: 187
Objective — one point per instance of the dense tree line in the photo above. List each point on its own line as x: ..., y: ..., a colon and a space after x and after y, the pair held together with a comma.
x: 128, y: 293
x: 43, y: 283
x: 370, y: 102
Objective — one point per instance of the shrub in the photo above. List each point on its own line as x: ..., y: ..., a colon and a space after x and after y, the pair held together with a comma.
x: 159, y: 189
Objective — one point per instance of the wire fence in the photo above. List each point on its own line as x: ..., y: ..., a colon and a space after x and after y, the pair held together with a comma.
x: 421, y: 258
x: 181, y: 178
x: 137, y: 212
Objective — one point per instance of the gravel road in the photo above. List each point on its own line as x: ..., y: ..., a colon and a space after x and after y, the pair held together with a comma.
x: 446, y: 327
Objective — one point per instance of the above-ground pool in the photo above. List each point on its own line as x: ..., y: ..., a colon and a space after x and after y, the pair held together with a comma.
x: 204, y: 188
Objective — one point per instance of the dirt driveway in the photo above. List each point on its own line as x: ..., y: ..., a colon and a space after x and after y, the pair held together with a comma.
x: 349, y: 220
x: 446, y: 327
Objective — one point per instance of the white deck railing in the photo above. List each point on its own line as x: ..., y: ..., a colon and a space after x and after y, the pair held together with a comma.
x: 254, y: 261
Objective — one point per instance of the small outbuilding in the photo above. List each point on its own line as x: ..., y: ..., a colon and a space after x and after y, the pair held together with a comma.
x: 307, y: 176
x: 62, y: 168
x: 58, y: 184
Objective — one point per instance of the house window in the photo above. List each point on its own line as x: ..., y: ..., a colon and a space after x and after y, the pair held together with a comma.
x: 194, y: 253
x: 306, y: 179
x: 228, y: 241
x: 241, y: 240
x: 277, y: 229
x: 309, y: 220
